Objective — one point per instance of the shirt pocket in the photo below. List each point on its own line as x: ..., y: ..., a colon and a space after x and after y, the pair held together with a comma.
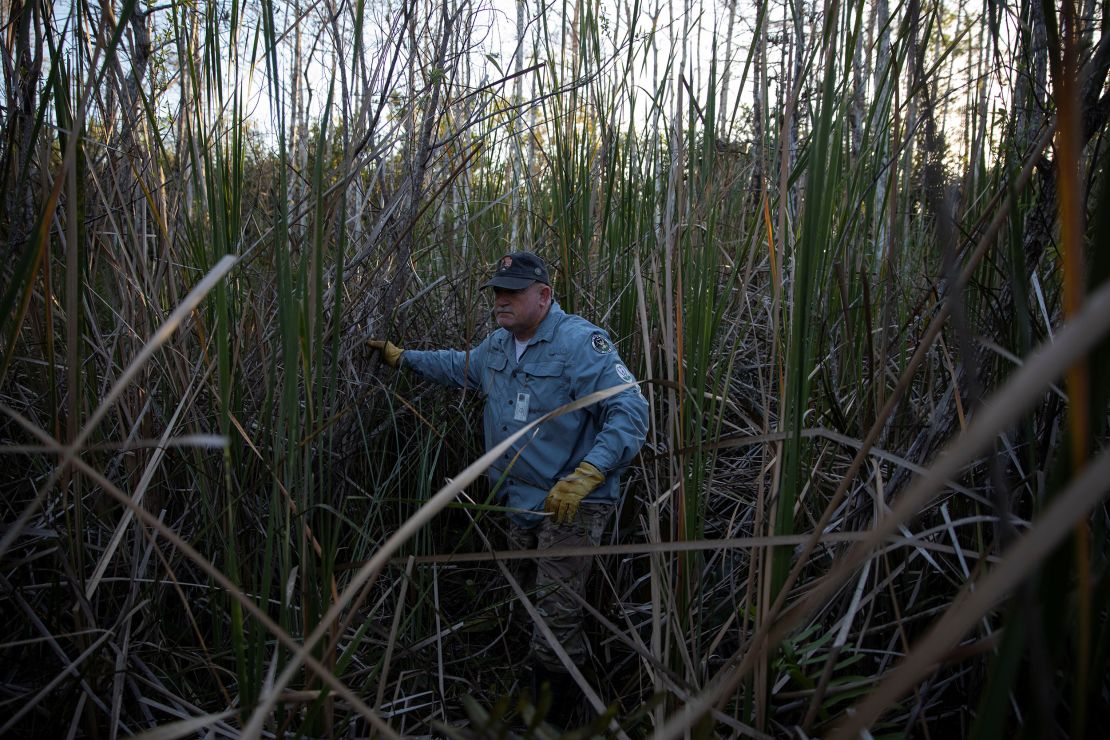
x: 495, y: 372
x: 548, y: 385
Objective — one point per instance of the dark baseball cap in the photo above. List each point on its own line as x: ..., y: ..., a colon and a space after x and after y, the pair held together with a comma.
x: 518, y: 270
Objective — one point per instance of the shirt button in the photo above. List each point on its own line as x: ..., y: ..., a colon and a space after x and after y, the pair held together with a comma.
x: 504, y: 429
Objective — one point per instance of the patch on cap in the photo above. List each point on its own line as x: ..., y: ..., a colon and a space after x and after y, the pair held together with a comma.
x: 517, y: 271
x: 600, y: 344
x: 624, y: 374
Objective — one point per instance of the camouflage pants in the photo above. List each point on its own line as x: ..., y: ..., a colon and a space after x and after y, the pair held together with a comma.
x: 557, y: 577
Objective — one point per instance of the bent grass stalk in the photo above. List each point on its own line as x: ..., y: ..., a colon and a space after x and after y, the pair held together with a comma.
x: 367, y: 573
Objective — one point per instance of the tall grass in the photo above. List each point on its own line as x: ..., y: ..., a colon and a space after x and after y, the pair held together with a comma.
x: 860, y: 288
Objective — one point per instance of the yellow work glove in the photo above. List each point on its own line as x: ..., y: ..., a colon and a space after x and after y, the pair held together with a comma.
x: 564, y: 497
x: 391, y: 353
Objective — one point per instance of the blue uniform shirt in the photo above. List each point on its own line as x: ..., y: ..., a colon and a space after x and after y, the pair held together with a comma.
x: 567, y: 358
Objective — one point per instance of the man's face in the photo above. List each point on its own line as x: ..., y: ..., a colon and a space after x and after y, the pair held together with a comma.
x: 521, y: 311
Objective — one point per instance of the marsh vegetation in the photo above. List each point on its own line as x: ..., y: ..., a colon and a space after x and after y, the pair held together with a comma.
x: 853, y: 251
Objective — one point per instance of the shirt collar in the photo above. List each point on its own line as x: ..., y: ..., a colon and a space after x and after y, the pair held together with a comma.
x: 546, y: 330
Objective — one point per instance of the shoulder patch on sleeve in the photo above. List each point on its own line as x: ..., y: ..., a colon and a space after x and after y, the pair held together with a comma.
x: 600, y: 344
x: 624, y: 374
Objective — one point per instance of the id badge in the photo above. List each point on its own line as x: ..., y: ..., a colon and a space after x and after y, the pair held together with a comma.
x: 520, y: 413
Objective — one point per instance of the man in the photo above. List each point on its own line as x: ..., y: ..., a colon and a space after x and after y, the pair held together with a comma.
x: 542, y: 358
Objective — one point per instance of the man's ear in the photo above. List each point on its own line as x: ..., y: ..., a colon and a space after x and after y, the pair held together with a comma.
x: 546, y: 292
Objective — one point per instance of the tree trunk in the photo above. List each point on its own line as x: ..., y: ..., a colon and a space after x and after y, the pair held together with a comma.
x: 420, y: 153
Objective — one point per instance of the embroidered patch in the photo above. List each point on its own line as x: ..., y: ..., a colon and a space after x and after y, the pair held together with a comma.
x: 600, y: 344
x: 624, y: 374
x: 506, y: 263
